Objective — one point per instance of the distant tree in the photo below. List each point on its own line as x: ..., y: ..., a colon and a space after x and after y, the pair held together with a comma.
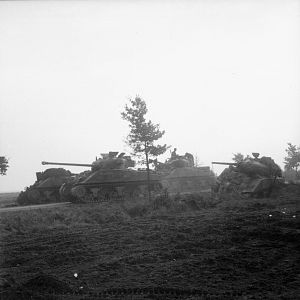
x: 238, y: 157
x: 3, y: 165
x: 197, y: 162
x: 143, y: 134
x: 292, y: 160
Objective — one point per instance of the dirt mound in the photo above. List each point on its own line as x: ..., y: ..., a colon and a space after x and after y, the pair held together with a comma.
x: 54, y: 172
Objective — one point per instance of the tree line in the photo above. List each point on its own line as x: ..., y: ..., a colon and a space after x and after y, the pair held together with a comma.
x: 3, y: 165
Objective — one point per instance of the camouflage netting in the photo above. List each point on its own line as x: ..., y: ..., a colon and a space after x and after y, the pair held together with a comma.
x: 54, y: 172
x: 272, y: 166
x: 251, y: 176
x: 46, y: 188
x: 231, y: 181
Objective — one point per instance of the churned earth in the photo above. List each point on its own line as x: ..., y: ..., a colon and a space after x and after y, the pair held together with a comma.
x: 226, y: 249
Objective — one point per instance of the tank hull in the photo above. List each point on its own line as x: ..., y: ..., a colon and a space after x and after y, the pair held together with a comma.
x: 188, y: 180
x: 112, y: 185
x: 126, y: 184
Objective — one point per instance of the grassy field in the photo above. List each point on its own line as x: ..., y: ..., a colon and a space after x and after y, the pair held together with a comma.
x: 8, y: 199
x: 192, y: 248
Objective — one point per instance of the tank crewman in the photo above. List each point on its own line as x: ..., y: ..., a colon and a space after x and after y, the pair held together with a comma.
x: 174, y: 154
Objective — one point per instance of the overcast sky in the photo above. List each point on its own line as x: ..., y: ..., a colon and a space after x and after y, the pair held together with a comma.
x: 220, y: 77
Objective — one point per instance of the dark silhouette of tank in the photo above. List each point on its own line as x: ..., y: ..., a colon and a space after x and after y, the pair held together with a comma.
x: 46, y: 187
x: 111, y: 177
x: 251, y: 176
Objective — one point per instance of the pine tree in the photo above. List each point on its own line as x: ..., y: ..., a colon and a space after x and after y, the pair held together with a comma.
x: 238, y: 157
x: 143, y: 134
x: 3, y: 165
x: 292, y: 160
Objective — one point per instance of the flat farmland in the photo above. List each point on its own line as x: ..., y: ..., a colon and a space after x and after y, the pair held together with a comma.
x: 8, y: 199
x: 234, y: 249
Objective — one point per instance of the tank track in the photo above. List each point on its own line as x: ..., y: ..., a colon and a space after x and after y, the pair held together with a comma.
x: 113, y: 192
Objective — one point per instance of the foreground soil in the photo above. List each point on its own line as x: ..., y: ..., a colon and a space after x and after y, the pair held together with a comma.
x: 246, y: 251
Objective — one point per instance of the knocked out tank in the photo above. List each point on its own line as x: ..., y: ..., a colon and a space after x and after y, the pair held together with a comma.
x: 110, y: 178
x: 251, y: 176
x: 46, y: 188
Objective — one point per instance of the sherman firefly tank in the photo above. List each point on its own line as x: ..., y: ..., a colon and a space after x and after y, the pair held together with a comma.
x: 46, y: 188
x: 251, y: 176
x: 111, y: 177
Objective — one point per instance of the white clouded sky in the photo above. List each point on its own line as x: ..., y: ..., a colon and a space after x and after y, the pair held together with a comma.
x: 219, y: 76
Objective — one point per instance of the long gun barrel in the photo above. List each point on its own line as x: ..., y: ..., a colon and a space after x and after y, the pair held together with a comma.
x: 224, y: 163
x: 65, y: 164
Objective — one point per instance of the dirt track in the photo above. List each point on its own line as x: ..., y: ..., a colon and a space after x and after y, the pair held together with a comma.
x: 224, y: 254
x: 29, y: 207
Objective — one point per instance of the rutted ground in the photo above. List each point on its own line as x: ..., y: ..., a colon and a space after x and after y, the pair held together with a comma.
x: 249, y: 250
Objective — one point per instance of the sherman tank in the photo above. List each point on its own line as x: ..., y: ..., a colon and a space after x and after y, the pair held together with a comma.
x: 179, y: 175
x: 111, y: 177
x: 188, y: 180
x: 251, y: 176
x: 46, y: 188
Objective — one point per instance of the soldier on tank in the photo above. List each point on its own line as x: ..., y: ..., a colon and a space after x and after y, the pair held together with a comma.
x: 174, y: 154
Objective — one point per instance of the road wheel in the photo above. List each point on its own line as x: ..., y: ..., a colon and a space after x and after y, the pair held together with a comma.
x: 113, y: 195
x: 135, y: 194
x: 102, y: 195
